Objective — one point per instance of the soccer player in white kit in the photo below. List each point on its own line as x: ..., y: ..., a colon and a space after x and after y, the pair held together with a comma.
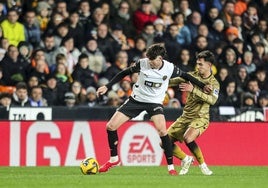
x: 148, y: 94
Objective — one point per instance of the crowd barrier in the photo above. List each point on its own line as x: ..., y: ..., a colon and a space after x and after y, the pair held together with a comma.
x: 66, y: 143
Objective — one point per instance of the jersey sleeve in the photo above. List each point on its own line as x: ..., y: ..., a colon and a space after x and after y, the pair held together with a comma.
x: 210, y: 98
x: 186, y: 76
x: 119, y: 76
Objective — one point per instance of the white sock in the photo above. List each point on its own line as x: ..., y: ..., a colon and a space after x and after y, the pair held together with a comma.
x: 185, y: 158
x: 114, y: 159
x: 170, y: 167
x: 203, y: 165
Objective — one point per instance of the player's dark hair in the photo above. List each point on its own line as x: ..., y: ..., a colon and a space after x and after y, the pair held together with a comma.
x: 207, y: 55
x: 156, y: 50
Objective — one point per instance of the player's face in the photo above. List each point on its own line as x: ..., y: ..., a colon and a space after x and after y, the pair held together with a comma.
x: 203, y: 67
x: 156, y: 63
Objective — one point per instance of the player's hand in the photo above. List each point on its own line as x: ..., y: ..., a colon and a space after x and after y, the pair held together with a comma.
x: 186, y: 86
x: 207, y: 89
x: 101, y: 90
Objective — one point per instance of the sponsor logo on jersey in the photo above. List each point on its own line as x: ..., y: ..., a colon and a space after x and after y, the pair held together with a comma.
x: 216, y: 92
x: 164, y: 77
x: 140, y: 146
x: 152, y: 84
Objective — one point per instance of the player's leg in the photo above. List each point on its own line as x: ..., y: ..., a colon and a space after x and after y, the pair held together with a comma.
x: 115, y: 122
x: 175, y: 132
x: 190, y: 135
x: 160, y: 124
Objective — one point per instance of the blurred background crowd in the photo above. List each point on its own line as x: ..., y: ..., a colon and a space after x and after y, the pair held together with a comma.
x: 57, y: 53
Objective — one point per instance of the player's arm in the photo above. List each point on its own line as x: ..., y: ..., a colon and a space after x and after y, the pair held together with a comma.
x: 209, y: 98
x: 179, y: 73
x: 118, y: 77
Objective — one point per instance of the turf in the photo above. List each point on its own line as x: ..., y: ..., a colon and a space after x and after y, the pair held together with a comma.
x: 128, y: 177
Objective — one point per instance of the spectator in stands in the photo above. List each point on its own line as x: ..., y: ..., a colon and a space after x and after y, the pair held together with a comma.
x: 61, y: 31
x: 120, y: 64
x: 51, y: 92
x: 39, y: 71
x: 13, y: 30
x: 247, y: 101
x: 104, y: 43
x: 238, y: 23
x: 105, y: 6
x: 240, y: 48
x: 76, y: 29
x: 25, y: 51
x: 32, y: 29
x: 135, y: 53
x: 194, y: 21
x: 56, y: 19
x: 91, y: 97
x: 184, y: 35
x: 229, y: 97
x: 200, y: 43
x: 253, y: 88
x: 241, y: 79
x: 171, y: 43
x: 69, y: 99
x: 222, y: 76
x: 211, y: 16
x: 184, y: 7
x: 2, y: 82
x: 250, y: 17
x: 96, y: 59
x: 64, y: 78
x: 263, y: 100
x: 148, y: 32
x: 124, y: 17
x: 61, y: 7
x: 227, y: 13
x: 217, y: 30
x: 160, y: 29
x: 113, y: 99
x: 36, y: 97
x: 165, y: 12
x: 248, y: 62
x: 184, y: 60
x: 79, y: 92
x: 96, y: 19
x: 262, y: 78
x: 67, y: 48
x: 229, y: 60
x: 14, y: 68
x: 5, y: 100
x: 20, y: 96
x: 84, y: 12
x: 125, y: 89
x: 118, y: 40
x: 32, y: 81
x: 43, y: 13
x: 143, y: 15
x: 231, y: 33
x: 203, y: 30
x: 83, y: 73
x: 260, y: 57
x: 50, y: 50
x: 38, y: 54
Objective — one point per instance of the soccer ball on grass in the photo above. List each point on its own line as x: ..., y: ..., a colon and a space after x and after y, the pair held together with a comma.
x: 89, y: 166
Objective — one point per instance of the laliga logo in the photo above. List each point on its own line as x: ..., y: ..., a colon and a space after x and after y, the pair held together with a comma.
x: 140, y: 146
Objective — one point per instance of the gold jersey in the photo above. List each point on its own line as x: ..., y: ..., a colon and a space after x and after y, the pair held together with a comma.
x: 198, y: 102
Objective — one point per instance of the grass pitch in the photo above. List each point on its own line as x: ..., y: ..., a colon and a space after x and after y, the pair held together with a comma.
x: 130, y: 177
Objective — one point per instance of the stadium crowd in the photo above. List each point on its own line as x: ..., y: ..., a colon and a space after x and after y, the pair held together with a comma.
x: 57, y: 53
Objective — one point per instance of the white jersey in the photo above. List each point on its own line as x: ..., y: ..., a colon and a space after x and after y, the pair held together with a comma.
x: 152, y: 84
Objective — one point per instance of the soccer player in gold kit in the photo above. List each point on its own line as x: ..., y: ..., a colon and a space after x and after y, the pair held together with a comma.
x: 195, y: 117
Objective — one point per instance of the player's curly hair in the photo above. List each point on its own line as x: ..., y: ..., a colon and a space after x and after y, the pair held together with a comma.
x: 207, y: 55
x: 156, y: 50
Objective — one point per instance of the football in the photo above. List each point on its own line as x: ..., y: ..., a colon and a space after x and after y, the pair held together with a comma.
x: 89, y: 166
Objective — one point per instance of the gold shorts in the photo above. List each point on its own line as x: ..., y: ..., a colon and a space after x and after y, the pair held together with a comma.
x: 179, y: 127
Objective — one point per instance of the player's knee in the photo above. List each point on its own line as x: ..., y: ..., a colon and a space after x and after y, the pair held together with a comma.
x: 111, y: 126
x: 188, y: 139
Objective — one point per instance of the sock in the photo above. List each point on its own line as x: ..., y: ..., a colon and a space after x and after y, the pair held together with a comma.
x: 113, y: 142
x: 196, y: 151
x: 178, y: 153
x: 170, y: 167
x: 167, y: 146
x: 114, y: 159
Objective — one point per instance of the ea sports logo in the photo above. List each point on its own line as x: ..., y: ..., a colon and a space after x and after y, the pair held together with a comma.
x: 140, y: 146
